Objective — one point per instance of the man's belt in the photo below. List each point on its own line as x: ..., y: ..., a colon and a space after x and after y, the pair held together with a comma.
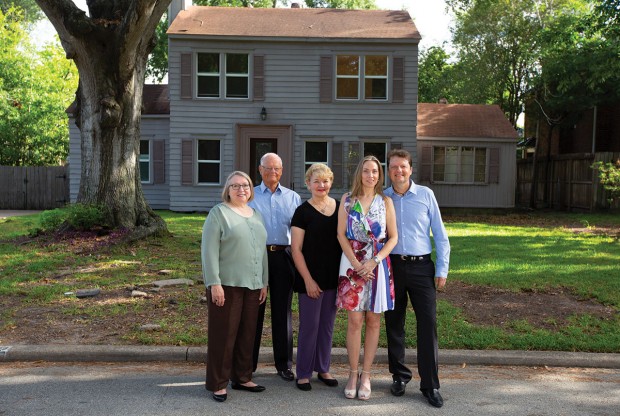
x: 275, y: 247
x: 411, y: 258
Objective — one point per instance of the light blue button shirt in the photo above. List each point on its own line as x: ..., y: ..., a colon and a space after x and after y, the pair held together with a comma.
x: 277, y: 209
x: 417, y: 214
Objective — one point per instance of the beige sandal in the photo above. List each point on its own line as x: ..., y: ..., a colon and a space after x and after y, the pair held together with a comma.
x: 363, y: 392
x: 350, y: 394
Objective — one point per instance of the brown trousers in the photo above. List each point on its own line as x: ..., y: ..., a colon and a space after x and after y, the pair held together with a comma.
x: 231, y: 334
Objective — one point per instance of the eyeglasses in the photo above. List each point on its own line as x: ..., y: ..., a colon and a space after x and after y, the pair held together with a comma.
x: 271, y: 169
x: 236, y: 186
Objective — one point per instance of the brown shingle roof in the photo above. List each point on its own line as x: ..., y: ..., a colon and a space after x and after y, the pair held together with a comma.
x: 154, y: 100
x: 463, y: 120
x: 393, y: 25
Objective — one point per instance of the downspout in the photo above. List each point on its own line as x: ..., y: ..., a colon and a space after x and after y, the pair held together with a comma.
x: 594, y: 129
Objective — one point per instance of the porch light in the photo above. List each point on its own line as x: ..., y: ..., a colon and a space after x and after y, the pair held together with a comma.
x: 263, y: 114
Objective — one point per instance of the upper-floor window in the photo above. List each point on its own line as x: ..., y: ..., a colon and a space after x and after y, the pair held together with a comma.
x: 209, y: 161
x: 222, y: 75
x: 362, y: 76
x: 315, y: 152
x: 459, y: 164
x: 145, y: 161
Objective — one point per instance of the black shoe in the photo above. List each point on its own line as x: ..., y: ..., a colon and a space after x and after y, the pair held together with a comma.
x: 331, y: 382
x: 304, y: 387
x: 433, y: 396
x: 286, y: 374
x: 253, y: 389
x: 220, y: 397
x: 398, y: 388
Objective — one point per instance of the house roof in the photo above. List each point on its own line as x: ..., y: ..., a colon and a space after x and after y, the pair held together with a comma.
x: 463, y: 120
x: 392, y: 25
x: 155, y: 100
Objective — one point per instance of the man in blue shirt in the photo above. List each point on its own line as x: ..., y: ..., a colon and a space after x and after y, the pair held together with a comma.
x: 277, y: 205
x: 415, y: 276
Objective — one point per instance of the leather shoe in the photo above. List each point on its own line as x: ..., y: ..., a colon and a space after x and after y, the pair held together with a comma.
x: 398, y: 388
x: 304, y: 386
x: 253, y: 389
x: 220, y: 397
x: 433, y: 397
x: 331, y: 382
x: 286, y: 374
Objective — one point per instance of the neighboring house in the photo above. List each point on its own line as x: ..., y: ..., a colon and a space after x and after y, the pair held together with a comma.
x: 467, y: 155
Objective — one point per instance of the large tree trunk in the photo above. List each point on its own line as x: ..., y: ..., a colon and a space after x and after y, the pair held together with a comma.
x: 110, y: 49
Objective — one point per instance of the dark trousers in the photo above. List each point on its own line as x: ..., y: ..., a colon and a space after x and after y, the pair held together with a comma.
x: 231, y: 336
x: 281, y: 276
x: 415, y: 280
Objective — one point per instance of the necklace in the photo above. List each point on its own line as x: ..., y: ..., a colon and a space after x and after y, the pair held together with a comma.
x: 316, y: 205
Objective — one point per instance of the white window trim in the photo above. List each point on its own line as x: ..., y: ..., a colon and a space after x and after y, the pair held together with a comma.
x: 207, y: 161
x: 222, y: 75
x: 328, y: 153
x: 361, y: 78
x: 149, y: 161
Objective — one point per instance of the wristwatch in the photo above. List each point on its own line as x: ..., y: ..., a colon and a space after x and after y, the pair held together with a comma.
x: 376, y: 259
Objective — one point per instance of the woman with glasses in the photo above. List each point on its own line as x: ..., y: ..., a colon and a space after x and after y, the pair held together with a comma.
x: 234, y: 267
x: 367, y: 234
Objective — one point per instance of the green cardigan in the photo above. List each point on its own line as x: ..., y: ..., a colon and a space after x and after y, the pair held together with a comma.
x: 234, y: 249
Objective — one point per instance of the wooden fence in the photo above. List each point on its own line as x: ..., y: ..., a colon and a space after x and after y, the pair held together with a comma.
x: 33, y: 187
x: 565, y: 182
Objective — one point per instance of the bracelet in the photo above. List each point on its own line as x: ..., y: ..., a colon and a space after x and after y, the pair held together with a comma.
x: 376, y: 259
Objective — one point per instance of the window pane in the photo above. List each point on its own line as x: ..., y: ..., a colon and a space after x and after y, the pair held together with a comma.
x: 209, y: 63
x: 236, y: 87
x: 144, y: 148
x: 236, y: 63
x: 209, y: 150
x: 348, y: 65
x: 375, y: 149
x: 467, y: 164
x: 439, y: 161
x: 208, y: 172
x: 144, y: 172
x: 451, y: 165
x: 480, y: 165
x: 208, y: 86
x: 316, y: 152
x: 376, y: 65
x: 375, y: 89
x: 347, y: 89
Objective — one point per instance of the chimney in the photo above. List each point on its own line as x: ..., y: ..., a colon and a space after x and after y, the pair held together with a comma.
x: 175, y: 8
x: 295, y: 6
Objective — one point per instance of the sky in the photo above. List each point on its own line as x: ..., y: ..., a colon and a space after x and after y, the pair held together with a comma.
x: 429, y: 17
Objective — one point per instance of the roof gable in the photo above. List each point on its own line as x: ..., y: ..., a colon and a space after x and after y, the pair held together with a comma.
x: 463, y: 120
x: 385, y: 25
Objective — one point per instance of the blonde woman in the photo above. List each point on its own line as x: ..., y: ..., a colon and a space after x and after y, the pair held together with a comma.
x: 367, y: 234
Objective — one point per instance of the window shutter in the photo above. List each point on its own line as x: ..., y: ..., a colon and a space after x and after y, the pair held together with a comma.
x: 187, y: 162
x: 426, y: 163
x: 353, y: 159
x: 398, y: 79
x: 326, y: 85
x: 259, y: 78
x: 337, y: 165
x: 159, y: 164
x: 186, y: 76
x: 494, y: 165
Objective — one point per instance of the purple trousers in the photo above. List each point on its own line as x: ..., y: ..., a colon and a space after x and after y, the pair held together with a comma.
x: 316, y: 327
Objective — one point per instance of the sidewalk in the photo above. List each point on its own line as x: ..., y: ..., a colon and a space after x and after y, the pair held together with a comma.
x: 130, y: 353
x: 15, y: 213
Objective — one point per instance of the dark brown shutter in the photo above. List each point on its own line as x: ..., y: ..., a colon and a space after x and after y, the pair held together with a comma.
x: 186, y: 76
x: 187, y: 162
x: 337, y: 165
x: 353, y: 159
x: 426, y: 163
x: 159, y: 163
x: 259, y: 77
x: 326, y: 85
x: 494, y: 165
x: 398, y: 79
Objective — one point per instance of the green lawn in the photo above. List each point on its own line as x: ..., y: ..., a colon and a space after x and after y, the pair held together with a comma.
x: 537, y: 253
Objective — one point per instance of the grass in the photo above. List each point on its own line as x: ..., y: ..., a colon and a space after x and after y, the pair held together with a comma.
x: 518, y: 257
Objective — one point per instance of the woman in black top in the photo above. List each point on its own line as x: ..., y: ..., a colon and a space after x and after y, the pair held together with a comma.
x: 316, y: 253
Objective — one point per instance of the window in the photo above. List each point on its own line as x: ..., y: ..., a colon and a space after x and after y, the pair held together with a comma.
x: 459, y: 164
x: 316, y: 152
x: 145, y: 161
x: 209, y: 161
x: 350, y: 77
x: 222, y: 71
x: 378, y: 150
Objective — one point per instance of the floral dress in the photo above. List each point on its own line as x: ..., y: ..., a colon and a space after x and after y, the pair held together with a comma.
x: 366, y: 234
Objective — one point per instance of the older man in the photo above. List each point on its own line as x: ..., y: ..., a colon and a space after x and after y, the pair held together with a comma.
x: 415, y: 276
x: 277, y: 205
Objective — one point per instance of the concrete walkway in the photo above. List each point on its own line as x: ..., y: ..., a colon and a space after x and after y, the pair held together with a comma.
x: 15, y: 213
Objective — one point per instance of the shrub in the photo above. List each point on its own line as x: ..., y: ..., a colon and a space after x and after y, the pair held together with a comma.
x: 609, y: 174
x: 80, y: 217
x: 52, y: 220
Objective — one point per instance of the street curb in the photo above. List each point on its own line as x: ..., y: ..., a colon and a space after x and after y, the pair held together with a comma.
x: 116, y: 353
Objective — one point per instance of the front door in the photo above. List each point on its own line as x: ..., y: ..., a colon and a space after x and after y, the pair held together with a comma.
x: 258, y: 147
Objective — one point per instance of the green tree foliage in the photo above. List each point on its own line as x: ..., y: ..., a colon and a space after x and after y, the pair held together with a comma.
x: 30, y: 10
x: 436, y: 79
x: 609, y: 175
x: 36, y: 87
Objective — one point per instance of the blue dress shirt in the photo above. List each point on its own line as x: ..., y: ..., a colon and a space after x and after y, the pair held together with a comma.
x: 417, y: 214
x: 277, y: 210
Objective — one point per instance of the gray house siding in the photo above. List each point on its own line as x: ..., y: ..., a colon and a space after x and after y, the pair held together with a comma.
x: 291, y: 97
x: 488, y: 195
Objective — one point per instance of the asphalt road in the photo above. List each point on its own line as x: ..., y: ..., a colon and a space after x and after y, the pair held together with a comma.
x: 43, y: 388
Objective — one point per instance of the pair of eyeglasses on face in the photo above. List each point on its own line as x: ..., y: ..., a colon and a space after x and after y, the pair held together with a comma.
x: 236, y: 186
x: 271, y: 169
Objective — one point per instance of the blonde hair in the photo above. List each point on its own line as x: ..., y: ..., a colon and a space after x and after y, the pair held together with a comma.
x: 225, y: 191
x: 321, y: 170
x: 357, y: 187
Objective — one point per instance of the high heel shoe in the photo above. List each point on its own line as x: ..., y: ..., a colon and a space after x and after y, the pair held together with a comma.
x: 364, y: 392
x: 350, y: 394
